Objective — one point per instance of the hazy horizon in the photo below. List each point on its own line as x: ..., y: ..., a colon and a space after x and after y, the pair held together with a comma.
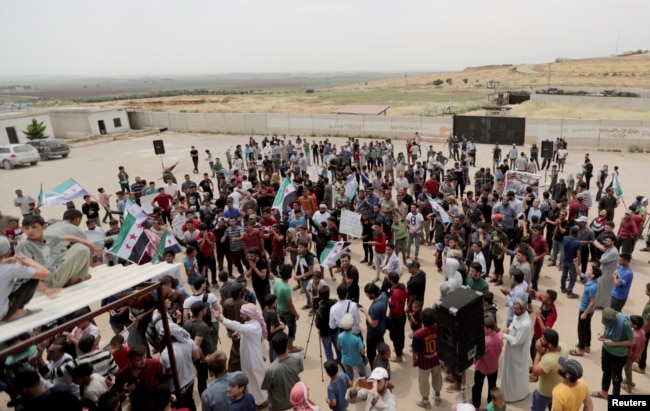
x: 158, y: 38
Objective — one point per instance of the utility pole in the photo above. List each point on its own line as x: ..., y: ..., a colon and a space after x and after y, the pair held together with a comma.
x: 549, y: 76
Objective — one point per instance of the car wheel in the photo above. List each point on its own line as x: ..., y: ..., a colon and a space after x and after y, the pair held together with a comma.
x: 44, y: 158
x: 34, y: 163
x: 65, y: 155
x: 7, y: 165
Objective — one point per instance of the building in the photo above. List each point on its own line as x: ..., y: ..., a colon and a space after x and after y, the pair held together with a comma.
x: 65, y: 122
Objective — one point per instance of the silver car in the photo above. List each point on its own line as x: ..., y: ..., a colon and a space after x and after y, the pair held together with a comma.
x: 17, y: 155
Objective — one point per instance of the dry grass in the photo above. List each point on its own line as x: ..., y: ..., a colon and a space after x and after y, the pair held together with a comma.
x: 419, y: 96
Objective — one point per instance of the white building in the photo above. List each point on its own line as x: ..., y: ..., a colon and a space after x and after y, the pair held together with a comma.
x: 13, y: 123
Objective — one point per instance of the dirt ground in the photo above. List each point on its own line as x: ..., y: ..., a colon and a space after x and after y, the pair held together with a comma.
x: 95, y: 165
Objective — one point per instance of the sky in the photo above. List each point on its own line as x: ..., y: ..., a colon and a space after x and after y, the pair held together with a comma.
x: 185, y: 37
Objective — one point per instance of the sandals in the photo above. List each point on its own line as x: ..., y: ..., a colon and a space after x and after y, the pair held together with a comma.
x: 636, y: 368
x: 576, y: 353
x: 598, y: 394
x: 453, y: 389
x: 533, y: 378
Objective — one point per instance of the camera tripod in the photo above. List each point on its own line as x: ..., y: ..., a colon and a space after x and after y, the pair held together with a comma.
x: 320, y: 346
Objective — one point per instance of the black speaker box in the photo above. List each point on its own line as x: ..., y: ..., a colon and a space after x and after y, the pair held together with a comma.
x: 547, y: 149
x: 159, y: 147
x: 460, y: 329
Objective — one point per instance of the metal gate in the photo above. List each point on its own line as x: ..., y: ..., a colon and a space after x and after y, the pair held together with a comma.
x: 491, y: 130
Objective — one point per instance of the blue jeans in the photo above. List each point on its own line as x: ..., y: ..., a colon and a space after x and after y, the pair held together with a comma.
x: 329, y: 341
x: 361, y: 369
x: 413, y: 238
x: 570, y: 269
x: 540, y: 402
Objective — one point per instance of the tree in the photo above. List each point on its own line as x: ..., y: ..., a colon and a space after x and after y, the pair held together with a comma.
x: 438, y: 82
x: 448, y: 81
x: 35, y: 131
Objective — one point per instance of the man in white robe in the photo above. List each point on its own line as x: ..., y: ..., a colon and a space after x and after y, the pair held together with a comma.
x: 252, y: 333
x: 608, y: 263
x: 514, y: 381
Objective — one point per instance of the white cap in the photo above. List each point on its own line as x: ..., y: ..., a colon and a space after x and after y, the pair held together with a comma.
x: 378, y: 373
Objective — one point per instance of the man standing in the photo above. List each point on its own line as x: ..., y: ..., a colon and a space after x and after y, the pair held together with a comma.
x: 512, y: 156
x: 375, y: 319
x: 622, y: 277
x: 414, y: 223
x: 609, y: 203
x: 570, y: 251
x: 540, y: 246
x: 617, y: 339
x: 304, y: 270
x: 545, y: 367
x: 194, y: 154
x: 140, y: 378
x: 379, y: 242
x: 515, y: 371
x: 573, y: 393
x: 282, y: 374
x: 344, y: 306
x: 22, y: 201
x: 215, y: 397
x: 397, y: 315
x: 426, y: 358
x: 350, y: 275
x: 488, y: 364
x: 416, y: 285
x: 185, y: 353
x: 200, y: 332
x: 600, y: 181
x: 286, y: 307
x: 91, y: 210
x: 608, y: 263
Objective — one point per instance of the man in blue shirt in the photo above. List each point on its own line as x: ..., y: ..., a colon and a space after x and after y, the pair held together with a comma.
x: 587, y: 308
x: 571, y: 250
x: 375, y: 319
x: 622, y: 282
x: 215, y: 397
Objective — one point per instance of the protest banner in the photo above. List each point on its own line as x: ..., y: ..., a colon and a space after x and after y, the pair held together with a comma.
x: 518, y: 181
x: 350, y: 223
x: 145, y: 203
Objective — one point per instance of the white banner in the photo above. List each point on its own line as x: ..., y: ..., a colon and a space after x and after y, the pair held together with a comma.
x: 145, y: 203
x: 177, y: 225
x: 518, y: 181
x: 350, y: 223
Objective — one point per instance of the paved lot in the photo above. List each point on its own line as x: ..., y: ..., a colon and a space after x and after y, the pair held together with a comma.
x: 95, y: 165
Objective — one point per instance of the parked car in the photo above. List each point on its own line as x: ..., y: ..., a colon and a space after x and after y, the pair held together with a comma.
x: 18, y: 155
x: 51, y: 147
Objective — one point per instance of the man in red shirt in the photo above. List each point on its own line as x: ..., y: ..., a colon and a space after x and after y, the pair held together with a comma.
x: 545, y: 317
x: 539, y: 244
x: 252, y: 237
x: 164, y: 201
x: 206, y: 242
x: 379, y: 241
x: 426, y: 358
x: 397, y: 314
x: 140, y: 378
x: 432, y: 186
x: 488, y: 364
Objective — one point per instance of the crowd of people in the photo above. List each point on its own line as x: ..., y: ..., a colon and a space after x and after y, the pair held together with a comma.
x: 248, y: 263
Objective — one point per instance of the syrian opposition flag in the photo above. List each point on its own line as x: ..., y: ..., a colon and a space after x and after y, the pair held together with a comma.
x: 332, y: 253
x: 351, y: 186
x: 437, y: 208
x: 365, y: 180
x: 287, y: 194
x: 67, y: 191
x: 131, y: 243
x: 41, y: 197
x: 616, y: 185
x: 161, y: 245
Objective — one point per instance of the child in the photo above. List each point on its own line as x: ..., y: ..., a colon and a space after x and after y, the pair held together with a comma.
x: 50, y: 249
x: 119, y: 351
x: 383, y: 361
x: 415, y: 316
x: 241, y: 400
x: 351, y: 347
x: 273, y: 323
x: 191, y: 266
x: 498, y: 402
x: 339, y: 384
x: 634, y: 353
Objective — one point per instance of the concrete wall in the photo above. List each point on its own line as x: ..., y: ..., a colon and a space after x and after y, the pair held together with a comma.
x: 619, y: 134
x: 627, y: 103
x: 295, y: 124
x: 20, y: 124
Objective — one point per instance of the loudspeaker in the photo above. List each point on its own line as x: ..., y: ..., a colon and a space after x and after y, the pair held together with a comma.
x: 460, y: 329
x: 159, y: 147
x: 547, y: 149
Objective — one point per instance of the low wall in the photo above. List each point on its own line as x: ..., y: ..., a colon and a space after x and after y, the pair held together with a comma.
x: 295, y: 124
x: 625, y: 103
x: 605, y: 134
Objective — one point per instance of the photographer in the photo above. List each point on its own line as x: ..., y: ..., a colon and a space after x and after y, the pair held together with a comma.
x: 259, y: 273
x: 328, y: 336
